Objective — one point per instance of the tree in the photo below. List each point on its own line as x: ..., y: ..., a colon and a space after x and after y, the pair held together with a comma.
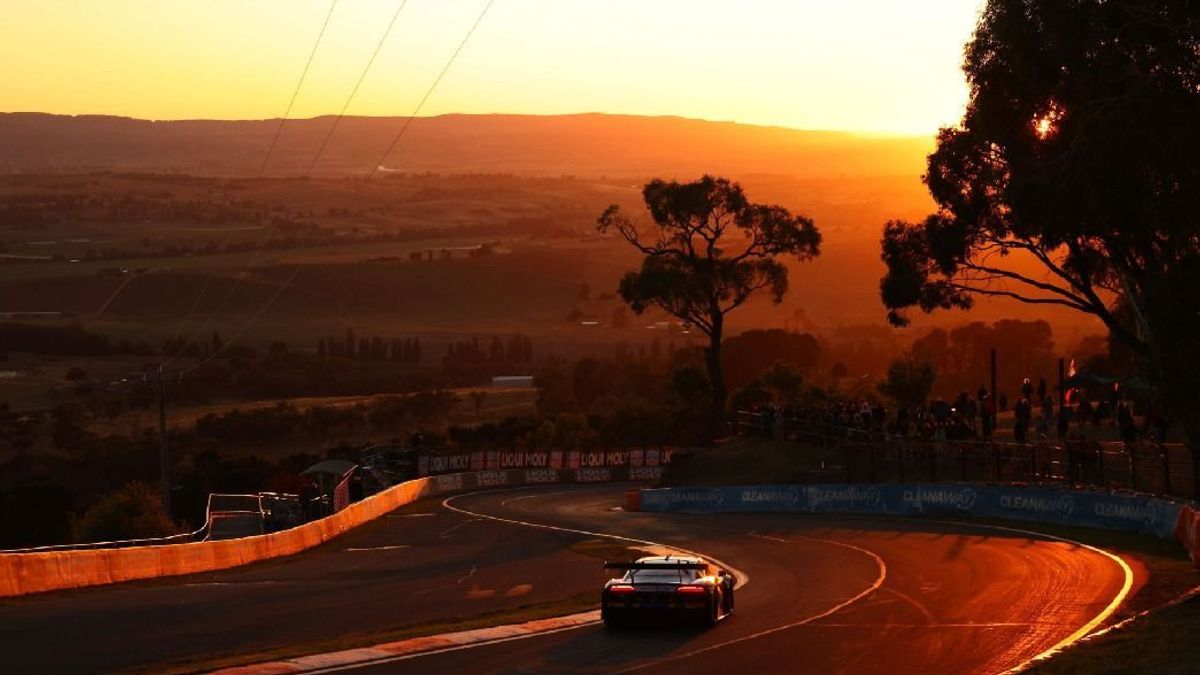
x: 712, y: 249
x: 747, y: 355
x: 133, y: 512
x: 1072, y: 180
x: 908, y: 382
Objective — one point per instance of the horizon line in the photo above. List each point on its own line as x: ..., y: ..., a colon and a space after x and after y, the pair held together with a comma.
x: 776, y: 127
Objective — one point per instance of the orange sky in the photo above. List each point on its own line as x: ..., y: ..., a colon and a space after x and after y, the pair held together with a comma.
x: 867, y: 65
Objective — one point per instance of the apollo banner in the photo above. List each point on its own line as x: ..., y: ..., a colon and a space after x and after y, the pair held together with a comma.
x: 1085, y: 509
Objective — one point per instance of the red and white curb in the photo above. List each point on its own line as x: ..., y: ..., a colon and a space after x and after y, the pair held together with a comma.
x: 395, y: 651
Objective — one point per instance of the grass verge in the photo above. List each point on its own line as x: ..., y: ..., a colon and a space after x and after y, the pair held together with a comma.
x: 1164, y: 642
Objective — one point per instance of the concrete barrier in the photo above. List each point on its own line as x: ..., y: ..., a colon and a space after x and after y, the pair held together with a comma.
x: 25, y: 573
x: 1187, y: 532
x: 1131, y: 513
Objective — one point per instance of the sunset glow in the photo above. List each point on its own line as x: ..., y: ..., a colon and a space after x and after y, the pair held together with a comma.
x: 868, y: 66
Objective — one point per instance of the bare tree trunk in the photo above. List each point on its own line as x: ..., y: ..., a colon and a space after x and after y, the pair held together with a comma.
x: 1180, y: 388
x: 716, y: 378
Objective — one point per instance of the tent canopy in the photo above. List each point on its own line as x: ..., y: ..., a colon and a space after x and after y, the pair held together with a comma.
x: 337, y: 467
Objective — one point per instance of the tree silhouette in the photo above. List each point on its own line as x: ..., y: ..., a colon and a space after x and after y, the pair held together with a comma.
x: 908, y: 382
x: 711, y: 251
x: 1072, y: 180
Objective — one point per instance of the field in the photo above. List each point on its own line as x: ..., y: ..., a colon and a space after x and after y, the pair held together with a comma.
x: 497, y: 404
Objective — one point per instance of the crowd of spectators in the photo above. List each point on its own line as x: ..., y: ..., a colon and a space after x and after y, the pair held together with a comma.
x: 1036, y: 417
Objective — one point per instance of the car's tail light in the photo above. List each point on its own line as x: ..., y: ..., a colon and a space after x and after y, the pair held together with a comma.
x: 690, y: 588
x: 620, y: 588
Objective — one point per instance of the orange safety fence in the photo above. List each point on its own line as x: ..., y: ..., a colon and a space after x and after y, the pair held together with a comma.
x: 25, y: 573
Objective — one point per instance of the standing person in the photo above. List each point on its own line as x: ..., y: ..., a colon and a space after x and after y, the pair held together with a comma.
x: 1041, y: 390
x: 1084, y: 412
x: 1003, y: 402
x: 1064, y: 422
x: 1048, y: 410
x: 1022, y: 415
x: 1026, y: 389
x: 1126, y: 424
x: 970, y: 412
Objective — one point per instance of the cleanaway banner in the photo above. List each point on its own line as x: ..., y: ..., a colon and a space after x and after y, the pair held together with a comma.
x: 1115, y: 512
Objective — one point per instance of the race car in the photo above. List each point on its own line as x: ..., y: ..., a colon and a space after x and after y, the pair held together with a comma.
x: 666, y: 587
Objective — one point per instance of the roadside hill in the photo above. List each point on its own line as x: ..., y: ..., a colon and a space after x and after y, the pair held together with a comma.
x: 584, y: 145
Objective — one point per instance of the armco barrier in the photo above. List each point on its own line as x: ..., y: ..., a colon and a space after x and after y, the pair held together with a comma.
x: 24, y: 573
x: 1146, y: 515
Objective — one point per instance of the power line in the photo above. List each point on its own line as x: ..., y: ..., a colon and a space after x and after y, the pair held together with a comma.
x: 296, y: 92
x: 362, y: 76
x: 237, y: 281
x: 261, y: 170
x: 187, y: 316
x: 270, y: 301
x: 261, y: 310
x: 428, y: 92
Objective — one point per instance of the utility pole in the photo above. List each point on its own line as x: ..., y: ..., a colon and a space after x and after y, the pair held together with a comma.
x: 163, y: 458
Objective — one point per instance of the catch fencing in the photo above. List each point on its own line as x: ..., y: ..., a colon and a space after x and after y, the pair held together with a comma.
x: 873, y: 456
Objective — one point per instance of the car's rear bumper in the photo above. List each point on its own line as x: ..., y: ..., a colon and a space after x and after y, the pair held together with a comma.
x: 689, y: 612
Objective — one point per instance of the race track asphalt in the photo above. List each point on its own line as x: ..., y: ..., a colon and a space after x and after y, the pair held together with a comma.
x: 825, y: 595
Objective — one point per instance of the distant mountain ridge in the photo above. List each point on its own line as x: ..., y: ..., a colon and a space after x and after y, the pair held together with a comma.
x: 589, y: 144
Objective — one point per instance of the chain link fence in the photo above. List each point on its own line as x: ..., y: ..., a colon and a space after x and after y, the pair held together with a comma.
x: 873, y: 455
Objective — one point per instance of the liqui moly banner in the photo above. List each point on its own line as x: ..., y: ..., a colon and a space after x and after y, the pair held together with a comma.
x: 501, y: 460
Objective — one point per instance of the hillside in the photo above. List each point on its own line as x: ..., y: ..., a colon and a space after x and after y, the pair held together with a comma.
x: 584, y: 145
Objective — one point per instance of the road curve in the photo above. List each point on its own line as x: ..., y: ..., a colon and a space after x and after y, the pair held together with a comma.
x: 826, y: 594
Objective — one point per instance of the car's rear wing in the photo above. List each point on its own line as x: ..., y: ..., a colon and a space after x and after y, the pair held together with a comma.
x: 659, y: 565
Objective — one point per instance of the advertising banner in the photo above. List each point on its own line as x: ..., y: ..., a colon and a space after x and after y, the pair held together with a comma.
x: 1084, y: 509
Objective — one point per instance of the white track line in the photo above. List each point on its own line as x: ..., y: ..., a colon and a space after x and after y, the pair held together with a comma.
x: 742, y: 577
x: 1088, y: 627
x: 809, y: 619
